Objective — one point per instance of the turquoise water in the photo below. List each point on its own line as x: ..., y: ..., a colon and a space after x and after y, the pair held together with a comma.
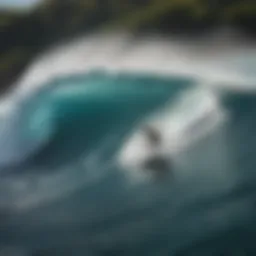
x: 71, y: 198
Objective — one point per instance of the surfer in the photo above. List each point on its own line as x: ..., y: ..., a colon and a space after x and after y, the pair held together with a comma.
x: 157, y: 163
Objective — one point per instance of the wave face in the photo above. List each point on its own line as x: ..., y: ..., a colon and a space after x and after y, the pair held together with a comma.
x: 72, y: 198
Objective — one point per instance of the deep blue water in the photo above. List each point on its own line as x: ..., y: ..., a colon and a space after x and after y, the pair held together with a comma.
x: 71, y: 198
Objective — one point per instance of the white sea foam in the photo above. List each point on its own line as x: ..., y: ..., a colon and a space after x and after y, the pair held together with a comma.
x: 190, y: 118
x: 221, y: 60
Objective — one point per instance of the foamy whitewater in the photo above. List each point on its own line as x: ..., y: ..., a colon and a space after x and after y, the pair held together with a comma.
x: 73, y: 147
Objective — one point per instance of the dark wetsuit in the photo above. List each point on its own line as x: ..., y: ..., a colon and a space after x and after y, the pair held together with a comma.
x: 153, y: 136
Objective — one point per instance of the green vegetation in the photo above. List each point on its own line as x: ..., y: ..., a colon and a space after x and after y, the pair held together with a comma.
x: 24, y: 34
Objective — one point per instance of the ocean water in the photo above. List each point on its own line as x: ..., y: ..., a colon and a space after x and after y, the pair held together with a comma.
x: 71, y: 198
x: 69, y: 187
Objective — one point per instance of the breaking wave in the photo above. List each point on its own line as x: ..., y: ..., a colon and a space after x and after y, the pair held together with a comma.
x: 75, y: 116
